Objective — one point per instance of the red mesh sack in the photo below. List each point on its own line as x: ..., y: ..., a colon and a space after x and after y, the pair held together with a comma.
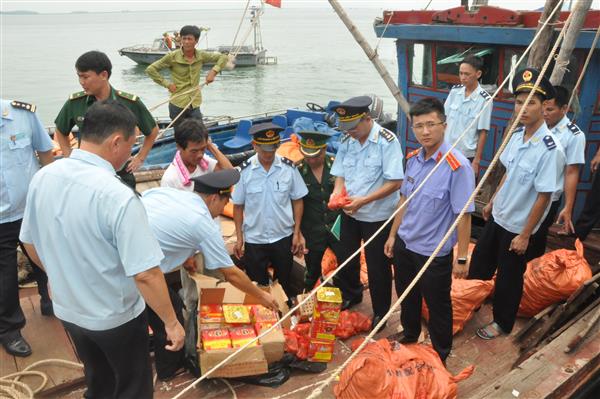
x: 291, y: 341
x: 338, y: 201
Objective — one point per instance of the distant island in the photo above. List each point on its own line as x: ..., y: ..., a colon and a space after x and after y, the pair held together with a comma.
x: 19, y: 12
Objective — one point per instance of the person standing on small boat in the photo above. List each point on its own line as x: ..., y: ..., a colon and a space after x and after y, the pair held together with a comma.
x: 369, y: 165
x: 185, y: 66
x: 418, y: 229
x: 183, y: 223
x: 463, y: 104
x: 90, y: 232
x: 267, y: 210
x: 535, y: 161
x: 590, y: 215
x: 192, y: 141
x: 94, y: 69
x: 22, y: 136
x: 573, y: 142
x: 317, y: 218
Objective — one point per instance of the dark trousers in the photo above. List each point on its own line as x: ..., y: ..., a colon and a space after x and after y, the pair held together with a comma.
x: 434, y: 286
x: 189, y: 113
x: 379, y: 268
x: 314, y: 258
x: 590, y: 216
x: 12, y: 319
x: 258, y: 257
x: 167, y: 362
x: 490, y: 254
x: 116, y: 361
x: 537, y: 242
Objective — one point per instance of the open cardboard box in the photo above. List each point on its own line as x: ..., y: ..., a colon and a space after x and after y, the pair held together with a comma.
x: 252, y: 360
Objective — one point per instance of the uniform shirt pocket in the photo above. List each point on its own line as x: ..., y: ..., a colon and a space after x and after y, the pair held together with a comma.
x: 349, y: 164
x: 433, y: 200
x: 525, y: 173
x: 281, y: 188
x: 254, y: 189
x: 21, y: 149
x: 373, y: 167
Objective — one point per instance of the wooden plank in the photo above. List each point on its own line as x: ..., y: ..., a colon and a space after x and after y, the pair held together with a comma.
x: 48, y: 340
x: 550, y: 372
x: 8, y: 365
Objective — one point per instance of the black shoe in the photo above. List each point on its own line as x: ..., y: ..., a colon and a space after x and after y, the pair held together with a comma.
x: 46, y: 307
x: 348, y: 303
x: 375, y: 321
x: 17, y: 346
x: 403, y: 339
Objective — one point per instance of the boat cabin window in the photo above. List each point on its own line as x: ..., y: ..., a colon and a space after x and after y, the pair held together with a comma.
x: 448, y: 58
x: 419, y: 64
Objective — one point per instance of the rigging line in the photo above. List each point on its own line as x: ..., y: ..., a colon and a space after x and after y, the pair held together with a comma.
x: 368, y: 241
x: 316, y: 392
x: 585, y: 65
x: 240, y: 24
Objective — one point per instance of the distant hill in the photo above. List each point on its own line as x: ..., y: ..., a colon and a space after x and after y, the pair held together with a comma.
x: 19, y: 12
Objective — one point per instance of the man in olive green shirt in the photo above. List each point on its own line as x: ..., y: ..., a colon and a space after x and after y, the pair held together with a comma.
x: 94, y: 69
x: 317, y: 219
x: 185, y: 65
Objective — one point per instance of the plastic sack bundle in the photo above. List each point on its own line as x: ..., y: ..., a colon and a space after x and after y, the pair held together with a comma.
x: 466, y: 296
x: 412, y: 371
x: 291, y: 149
x: 352, y: 323
x: 338, y: 201
x: 329, y: 263
x: 553, y: 277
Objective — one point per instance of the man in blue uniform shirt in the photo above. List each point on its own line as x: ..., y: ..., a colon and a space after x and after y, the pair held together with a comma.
x: 369, y: 164
x: 534, y: 161
x: 419, y: 228
x: 100, y: 255
x: 463, y: 104
x: 183, y: 223
x: 21, y: 137
x: 267, y: 210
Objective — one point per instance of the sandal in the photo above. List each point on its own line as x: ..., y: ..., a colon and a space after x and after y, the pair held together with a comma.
x: 490, y: 331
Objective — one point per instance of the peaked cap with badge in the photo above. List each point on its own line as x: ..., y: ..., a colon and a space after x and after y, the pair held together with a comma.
x: 219, y: 182
x: 524, y: 82
x: 266, y: 135
x: 351, y: 111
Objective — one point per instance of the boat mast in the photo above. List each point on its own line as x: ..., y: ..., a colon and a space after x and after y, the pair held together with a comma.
x: 255, y: 19
x: 372, y: 55
x: 539, y: 52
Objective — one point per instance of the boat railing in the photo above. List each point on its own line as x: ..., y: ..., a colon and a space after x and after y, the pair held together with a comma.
x: 267, y: 60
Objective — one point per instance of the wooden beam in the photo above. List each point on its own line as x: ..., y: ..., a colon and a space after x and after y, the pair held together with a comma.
x: 539, y: 51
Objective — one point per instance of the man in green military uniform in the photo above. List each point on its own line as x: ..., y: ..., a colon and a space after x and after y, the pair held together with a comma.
x: 317, y: 220
x: 185, y: 65
x: 94, y: 69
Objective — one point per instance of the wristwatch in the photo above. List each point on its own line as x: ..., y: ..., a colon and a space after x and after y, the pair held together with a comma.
x: 462, y: 261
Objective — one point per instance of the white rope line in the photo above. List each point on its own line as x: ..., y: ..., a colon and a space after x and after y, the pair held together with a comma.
x: 315, y: 393
x: 383, y: 33
x: 368, y: 241
x: 240, y: 24
x: 162, y: 132
x: 587, y: 61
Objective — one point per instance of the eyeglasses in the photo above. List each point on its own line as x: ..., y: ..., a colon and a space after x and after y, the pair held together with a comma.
x: 429, y: 125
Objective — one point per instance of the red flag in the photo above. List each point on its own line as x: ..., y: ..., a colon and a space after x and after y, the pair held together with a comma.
x: 274, y: 3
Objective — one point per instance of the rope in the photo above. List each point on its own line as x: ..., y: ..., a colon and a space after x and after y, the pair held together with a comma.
x: 587, y: 61
x: 11, y: 387
x: 315, y: 393
x: 162, y: 132
x: 368, y: 241
x: 241, y: 22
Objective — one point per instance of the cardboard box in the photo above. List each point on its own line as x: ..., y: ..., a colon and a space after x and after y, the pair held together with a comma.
x: 252, y: 360
x: 320, y: 351
x: 322, y: 330
x: 329, y: 304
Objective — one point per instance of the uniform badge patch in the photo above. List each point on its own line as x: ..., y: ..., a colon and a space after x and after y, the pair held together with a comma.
x: 527, y: 75
x: 573, y: 128
x: 484, y: 94
x: 387, y: 135
x: 549, y: 141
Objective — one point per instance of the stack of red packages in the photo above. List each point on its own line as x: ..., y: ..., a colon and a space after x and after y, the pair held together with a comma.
x: 324, y: 323
x: 338, y: 201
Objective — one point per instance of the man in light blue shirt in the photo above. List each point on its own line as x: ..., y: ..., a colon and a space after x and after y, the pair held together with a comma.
x: 369, y: 165
x: 572, y: 140
x: 267, y: 210
x: 419, y: 228
x: 462, y: 106
x: 21, y: 137
x: 100, y: 255
x: 534, y: 161
x: 183, y: 223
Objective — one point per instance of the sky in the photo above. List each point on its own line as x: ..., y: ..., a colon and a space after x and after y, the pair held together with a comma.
x: 49, y: 6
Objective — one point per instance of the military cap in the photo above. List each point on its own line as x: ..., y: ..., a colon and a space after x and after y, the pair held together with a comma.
x: 351, y: 111
x: 524, y: 81
x: 311, y: 143
x: 219, y: 182
x: 266, y: 135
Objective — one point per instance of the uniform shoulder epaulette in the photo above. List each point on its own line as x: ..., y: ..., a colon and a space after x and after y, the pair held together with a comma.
x: 457, y: 86
x: 484, y: 94
x: 75, y: 96
x: 344, y: 137
x: 128, y: 96
x: 22, y: 105
x: 573, y: 128
x: 244, y: 165
x: 452, y: 161
x: 288, y: 162
x: 387, y: 135
x: 413, y: 153
x: 549, y: 141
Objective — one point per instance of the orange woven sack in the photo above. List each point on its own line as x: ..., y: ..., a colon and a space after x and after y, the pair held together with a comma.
x: 553, y: 277
x: 466, y: 295
x: 408, y: 372
x: 291, y: 149
x: 329, y: 263
x: 352, y: 323
x: 228, y: 210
